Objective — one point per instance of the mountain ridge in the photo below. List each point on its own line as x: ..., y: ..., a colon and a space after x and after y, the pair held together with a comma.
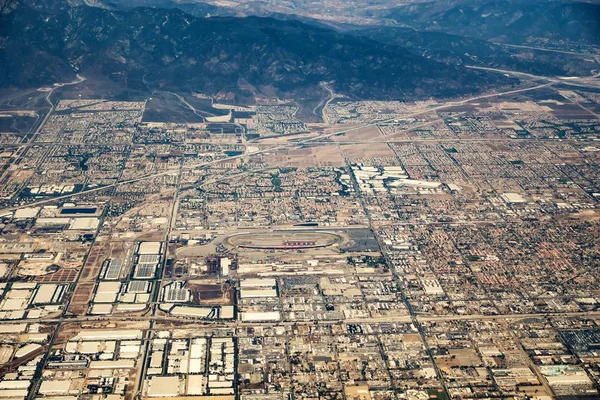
x: 173, y: 50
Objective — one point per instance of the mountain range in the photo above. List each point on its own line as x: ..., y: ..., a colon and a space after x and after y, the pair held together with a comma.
x: 47, y: 41
x: 180, y: 46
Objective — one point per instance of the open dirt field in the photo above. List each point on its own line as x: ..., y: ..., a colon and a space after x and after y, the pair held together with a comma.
x: 374, y: 150
x: 367, y: 133
x: 317, y: 156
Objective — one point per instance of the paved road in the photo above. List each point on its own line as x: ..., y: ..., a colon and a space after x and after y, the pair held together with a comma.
x: 579, y: 81
x: 420, y: 317
x: 518, y: 46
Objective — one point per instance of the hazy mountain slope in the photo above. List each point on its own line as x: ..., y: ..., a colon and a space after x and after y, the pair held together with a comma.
x: 196, y: 8
x: 454, y: 49
x: 514, y: 21
x: 171, y: 49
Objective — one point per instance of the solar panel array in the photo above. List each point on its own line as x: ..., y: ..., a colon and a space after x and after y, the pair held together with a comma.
x: 144, y: 271
x: 113, y: 270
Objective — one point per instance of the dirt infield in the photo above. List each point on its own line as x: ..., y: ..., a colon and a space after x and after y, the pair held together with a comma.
x: 283, y: 240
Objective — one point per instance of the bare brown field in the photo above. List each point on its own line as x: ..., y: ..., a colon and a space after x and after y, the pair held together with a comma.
x: 81, y: 298
x: 211, y: 294
x: 457, y: 358
x: 151, y: 236
x: 318, y: 156
x: 586, y: 215
x: 62, y: 275
x: 352, y: 151
x: 367, y: 133
x: 93, y: 264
